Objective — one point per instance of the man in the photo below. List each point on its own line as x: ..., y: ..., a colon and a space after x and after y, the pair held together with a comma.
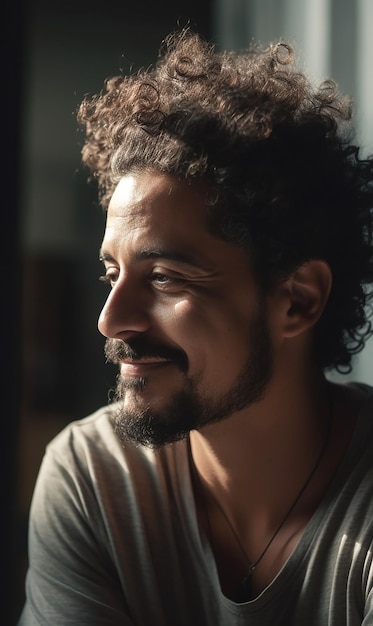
x: 229, y: 482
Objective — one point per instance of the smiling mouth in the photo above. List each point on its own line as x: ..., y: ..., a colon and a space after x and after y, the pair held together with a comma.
x: 133, y: 367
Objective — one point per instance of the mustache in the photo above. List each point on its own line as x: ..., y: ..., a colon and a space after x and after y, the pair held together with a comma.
x: 137, y: 348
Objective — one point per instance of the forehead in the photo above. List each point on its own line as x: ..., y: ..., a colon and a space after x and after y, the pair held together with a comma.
x: 156, y: 201
x: 149, y: 209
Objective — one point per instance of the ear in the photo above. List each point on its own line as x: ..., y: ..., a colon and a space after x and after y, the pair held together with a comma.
x: 308, y: 291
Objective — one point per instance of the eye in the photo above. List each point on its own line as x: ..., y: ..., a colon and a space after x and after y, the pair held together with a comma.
x: 163, y: 281
x: 161, y: 278
x: 110, y: 278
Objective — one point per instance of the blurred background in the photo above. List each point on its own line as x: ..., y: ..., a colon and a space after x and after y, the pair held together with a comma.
x: 53, y: 369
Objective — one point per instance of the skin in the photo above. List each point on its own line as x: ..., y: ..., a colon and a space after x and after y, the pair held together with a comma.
x: 185, y: 320
x: 187, y: 302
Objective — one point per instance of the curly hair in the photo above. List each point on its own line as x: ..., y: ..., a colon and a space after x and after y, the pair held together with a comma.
x: 289, y: 184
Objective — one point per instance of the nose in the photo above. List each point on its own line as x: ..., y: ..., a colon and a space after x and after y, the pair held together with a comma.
x: 125, y: 312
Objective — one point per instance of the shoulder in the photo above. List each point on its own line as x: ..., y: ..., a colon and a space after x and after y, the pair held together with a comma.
x: 352, y: 409
x: 354, y: 477
x: 89, y: 447
x: 104, y: 483
x: 93, y: 432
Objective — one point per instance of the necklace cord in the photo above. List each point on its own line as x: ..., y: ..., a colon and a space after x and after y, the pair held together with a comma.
x: 252, y: 565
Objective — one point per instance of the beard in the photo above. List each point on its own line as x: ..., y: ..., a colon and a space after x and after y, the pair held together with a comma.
x: 189, y: 409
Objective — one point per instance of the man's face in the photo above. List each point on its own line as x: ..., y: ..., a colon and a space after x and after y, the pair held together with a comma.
x: 184, y: 318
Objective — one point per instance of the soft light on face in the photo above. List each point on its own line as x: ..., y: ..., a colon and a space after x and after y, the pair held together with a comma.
x: 184, y: 319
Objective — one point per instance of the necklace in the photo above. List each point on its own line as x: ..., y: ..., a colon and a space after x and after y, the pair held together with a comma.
x: 244, y: 590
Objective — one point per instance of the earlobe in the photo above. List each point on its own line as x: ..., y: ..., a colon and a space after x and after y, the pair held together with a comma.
x: 308, y: 288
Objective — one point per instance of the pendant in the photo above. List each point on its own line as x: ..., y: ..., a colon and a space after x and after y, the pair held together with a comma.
x: 244, y: 592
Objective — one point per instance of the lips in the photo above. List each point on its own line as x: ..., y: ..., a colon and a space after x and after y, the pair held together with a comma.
x: 141, y: 354
x: 141, y: 367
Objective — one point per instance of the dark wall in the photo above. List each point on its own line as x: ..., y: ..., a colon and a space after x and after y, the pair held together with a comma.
x: 70, y: 51
x: 63, y: 51
x: 12, y: 94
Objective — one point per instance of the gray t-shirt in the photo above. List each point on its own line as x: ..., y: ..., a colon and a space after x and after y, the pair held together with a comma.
x: 114, y: 541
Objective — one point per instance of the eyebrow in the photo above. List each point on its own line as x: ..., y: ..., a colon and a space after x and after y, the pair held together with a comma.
x: 158, y: 253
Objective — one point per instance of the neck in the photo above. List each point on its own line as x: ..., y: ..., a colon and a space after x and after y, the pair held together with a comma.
x: 249, y: 469
x: 266, y: 451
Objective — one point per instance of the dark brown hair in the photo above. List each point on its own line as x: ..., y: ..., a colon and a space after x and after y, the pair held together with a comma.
x: 277, y: 152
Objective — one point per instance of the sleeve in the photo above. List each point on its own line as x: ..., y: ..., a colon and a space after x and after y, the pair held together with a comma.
x: 71, y: 577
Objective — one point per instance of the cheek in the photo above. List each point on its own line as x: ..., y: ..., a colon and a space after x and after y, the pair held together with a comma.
x: 171, y: 315
x: 176, y: 314
x: 181, y: 321
x: 193, y: 319
x: 214, y: 334
x: 223, y: 330
x: 183, y: 310
x: 188, y: 321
